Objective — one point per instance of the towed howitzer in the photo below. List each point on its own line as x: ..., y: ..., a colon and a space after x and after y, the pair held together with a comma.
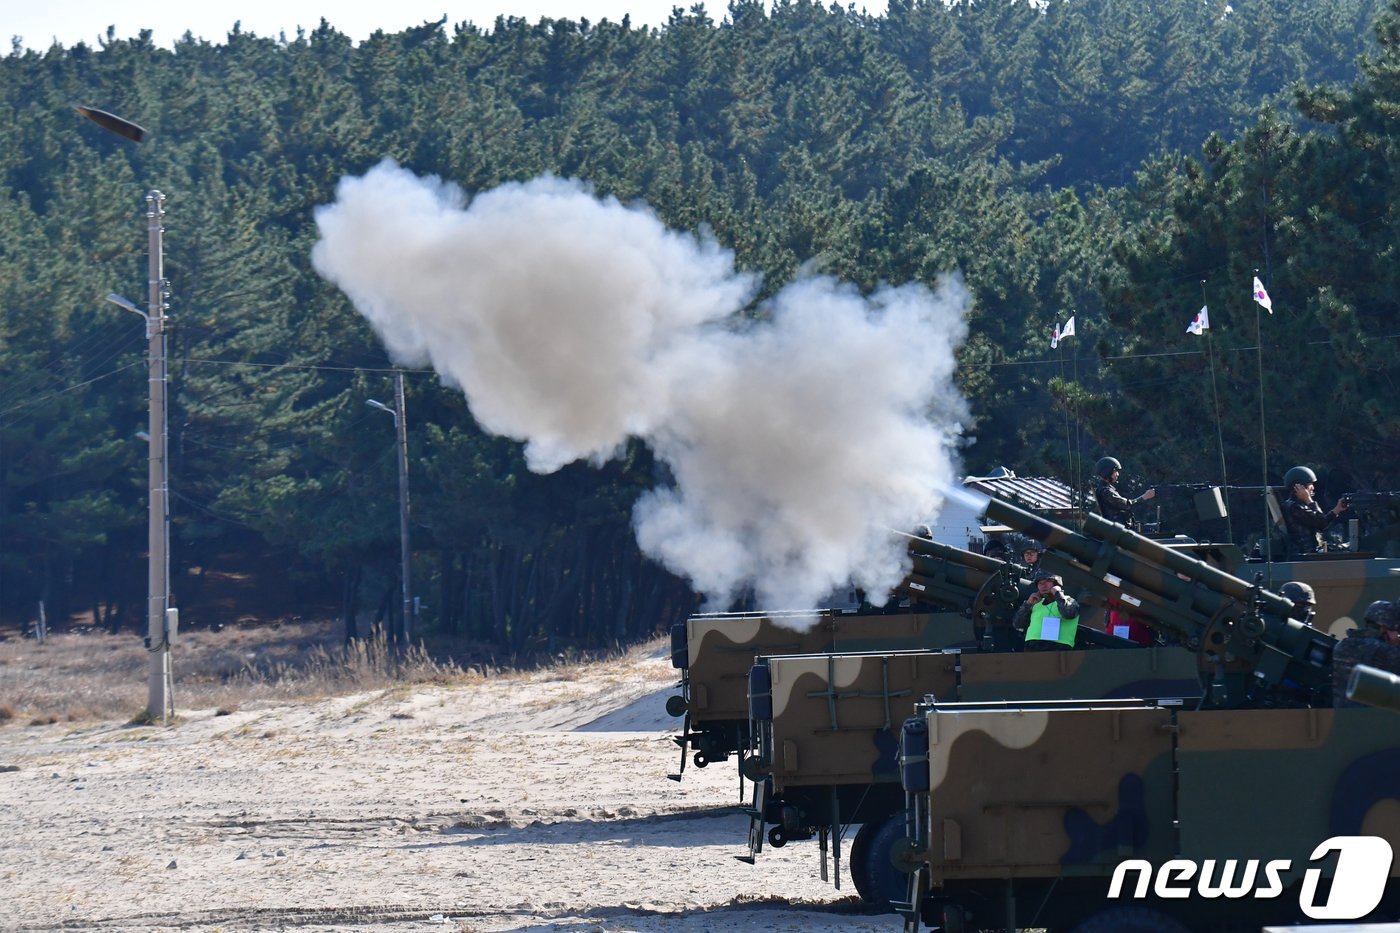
x: 982, y: 588
x: 1374, y: 687
x: 949, y: 590
x: 822, y: 759
x: 1027, y: 814
x: 1250, y: 642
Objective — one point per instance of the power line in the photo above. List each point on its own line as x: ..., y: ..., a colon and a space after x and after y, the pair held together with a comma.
x: 30, y: 381
x: 311, y: 366
x: 64, y: 391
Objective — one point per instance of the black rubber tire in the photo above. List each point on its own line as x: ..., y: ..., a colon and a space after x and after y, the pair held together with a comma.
x: 1130, y: 920
x: 856, y: 858
x: 886, y: 882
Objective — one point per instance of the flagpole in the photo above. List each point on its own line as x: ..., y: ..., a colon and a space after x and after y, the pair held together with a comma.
x: 1069, y: 446
x: 1263, y: 440
x: 1219, y: 436
x: 1259, y: 340
x: 1078, y: 439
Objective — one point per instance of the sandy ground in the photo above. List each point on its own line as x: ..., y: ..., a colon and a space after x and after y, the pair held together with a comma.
x: 529, y: 802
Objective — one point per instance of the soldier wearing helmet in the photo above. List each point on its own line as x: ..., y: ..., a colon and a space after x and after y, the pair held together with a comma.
x: 1300, y: 594
x: 1113, y: 505
x: 1376, y: 643
x: 1030, y: 552
x: 1303, y: 517
x: 1049, y: 617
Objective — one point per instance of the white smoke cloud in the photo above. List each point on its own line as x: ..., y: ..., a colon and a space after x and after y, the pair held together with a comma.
x: 572, y: 323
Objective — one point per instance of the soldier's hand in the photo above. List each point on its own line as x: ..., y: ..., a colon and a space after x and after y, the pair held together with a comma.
x: 1151, y: 492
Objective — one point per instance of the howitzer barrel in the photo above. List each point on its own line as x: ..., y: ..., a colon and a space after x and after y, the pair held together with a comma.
x: 1374, y: 687
x: 1112, y: 563
x: 1099, y: 527
x: 956, y: 574
x: 948, y: 576
x: 1235, y: 625
x: 1128, y: 555
x: 927, y: 547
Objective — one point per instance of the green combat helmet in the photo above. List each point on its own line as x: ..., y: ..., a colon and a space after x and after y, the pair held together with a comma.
x: 1382, y: 614
x: 1298, y: 474
x: 1106, y: 465
x: 1298, y: 592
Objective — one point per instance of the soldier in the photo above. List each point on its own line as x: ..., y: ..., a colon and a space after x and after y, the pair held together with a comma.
x: 1121, y: 623
x: 1303, y: 517
x: 1376, y: 643
x: 1300, y: 594
x: 1005, y: 636
x: 1049, y: 617
x: 996, y: 548
x: 1112, y: 504
x: 1030, y: 554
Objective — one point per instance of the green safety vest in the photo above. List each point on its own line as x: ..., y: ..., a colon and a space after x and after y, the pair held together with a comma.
x: 1040, y: 630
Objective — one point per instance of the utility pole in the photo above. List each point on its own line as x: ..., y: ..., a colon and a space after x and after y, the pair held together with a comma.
x: 405, y: 553
x: 159, y: 621
x: 160, y: 696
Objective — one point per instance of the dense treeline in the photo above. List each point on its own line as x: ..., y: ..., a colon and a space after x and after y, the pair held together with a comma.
x: 1036, y: 148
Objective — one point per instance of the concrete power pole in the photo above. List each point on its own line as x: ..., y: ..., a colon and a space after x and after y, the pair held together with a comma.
x: 406, y: 554
x: 160, y: 619
x: 399, y: 411
x: 160, y: 696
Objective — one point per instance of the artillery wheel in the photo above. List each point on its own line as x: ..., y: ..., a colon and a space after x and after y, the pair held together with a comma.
x: 675, y: 705
x: 700, y: 759
x: 886, y: 880
x: 857, y: 858
x: 777, y: 838
x: 752, y: 768
x: 1130, y: 920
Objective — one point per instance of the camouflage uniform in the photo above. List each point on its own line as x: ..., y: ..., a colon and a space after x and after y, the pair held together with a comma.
x: 1375, y: 644
x: 1112, y: 505
x: 1306, y: 522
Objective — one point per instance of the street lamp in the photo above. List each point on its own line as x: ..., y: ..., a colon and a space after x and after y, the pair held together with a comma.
x: 160, y: 618
x: 405, y: 555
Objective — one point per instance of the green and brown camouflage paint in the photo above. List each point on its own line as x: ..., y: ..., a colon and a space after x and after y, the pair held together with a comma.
x: 1045, y: 801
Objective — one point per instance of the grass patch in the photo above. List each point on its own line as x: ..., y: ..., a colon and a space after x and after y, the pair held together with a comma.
x: 88, y: 674
x: 91, y: 675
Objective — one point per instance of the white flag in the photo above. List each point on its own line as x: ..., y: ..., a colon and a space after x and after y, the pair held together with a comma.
x: 1200, y: 323
x: 1069, y: 328
x: 1262, y: 296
